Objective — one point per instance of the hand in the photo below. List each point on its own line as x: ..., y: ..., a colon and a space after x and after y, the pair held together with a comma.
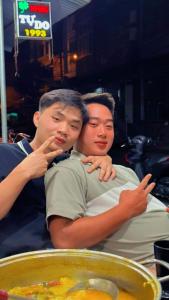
x: 134, y: 202
x: 35, y: 164
x: 104, y: 163
x: 167, y: 209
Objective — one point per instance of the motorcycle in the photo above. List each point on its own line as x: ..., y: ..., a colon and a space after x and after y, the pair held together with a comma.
x: 144, y: 157
x: 14, y: 137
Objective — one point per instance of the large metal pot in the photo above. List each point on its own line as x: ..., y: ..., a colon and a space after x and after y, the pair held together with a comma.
x: 40, y: 266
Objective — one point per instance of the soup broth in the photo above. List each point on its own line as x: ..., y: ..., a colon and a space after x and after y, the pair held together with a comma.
x: 58, y: 290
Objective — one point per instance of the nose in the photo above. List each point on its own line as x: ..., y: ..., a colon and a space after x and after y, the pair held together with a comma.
x: 101, y: 131
x: 63, y: 128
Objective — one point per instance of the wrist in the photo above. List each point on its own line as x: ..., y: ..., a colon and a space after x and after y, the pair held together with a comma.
x: 22, y: 173
x: 125, y: 212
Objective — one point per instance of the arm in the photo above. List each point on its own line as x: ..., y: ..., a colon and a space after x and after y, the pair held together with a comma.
x: 33, y: 166
x: 107, y: 170
x: 88, y: 231
x: 10, y: 188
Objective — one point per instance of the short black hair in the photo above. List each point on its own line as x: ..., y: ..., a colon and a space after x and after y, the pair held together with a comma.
x: 102, y: 98
x: 67, y: 98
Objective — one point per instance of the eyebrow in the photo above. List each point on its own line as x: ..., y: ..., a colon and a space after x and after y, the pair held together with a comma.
x: 76, y: 121
x: 59, y: 113
x: 96, y: 118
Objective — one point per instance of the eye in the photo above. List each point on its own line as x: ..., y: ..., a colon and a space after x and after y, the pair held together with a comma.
x: 74, y: 126
x: 55, y: 118
x: 110, y: 126
x: 93, y: 124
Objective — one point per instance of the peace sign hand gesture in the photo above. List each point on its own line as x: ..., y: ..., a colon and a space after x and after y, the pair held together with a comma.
x: 35, y: 164
x: 134, y: 202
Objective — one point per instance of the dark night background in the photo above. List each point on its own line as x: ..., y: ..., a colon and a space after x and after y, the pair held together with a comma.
x: 122, y: 47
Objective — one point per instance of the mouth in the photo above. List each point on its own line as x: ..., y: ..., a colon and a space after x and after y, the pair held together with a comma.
x: 101, y: 144
x: 59, y: 141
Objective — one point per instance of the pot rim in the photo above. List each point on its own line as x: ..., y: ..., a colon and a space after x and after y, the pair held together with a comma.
x: 61, y: 252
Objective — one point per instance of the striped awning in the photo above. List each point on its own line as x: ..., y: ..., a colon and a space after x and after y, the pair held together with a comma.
x: 63, y: 8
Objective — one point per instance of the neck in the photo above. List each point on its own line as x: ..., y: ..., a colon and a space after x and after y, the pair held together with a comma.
x: 78, y: 150
x: 34, y: 144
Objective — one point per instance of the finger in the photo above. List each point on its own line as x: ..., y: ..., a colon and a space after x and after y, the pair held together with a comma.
x: 88, y: 159
x: 51, y: 155
x: 93, y: 167
x: 46, y: 144
x: 142, y: 185
x: 149, y: 188
x: 102, y: 174
x: 113, y: 173
x: 108, y: 173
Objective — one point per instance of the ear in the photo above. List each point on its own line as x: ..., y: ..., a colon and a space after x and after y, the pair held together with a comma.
x: 36, y: 118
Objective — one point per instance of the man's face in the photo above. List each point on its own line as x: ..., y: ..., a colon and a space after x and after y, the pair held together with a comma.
x: 97, y: 135
x: 63, y: 122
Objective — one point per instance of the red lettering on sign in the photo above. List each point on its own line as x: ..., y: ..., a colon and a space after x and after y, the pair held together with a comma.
x: 44, y: 9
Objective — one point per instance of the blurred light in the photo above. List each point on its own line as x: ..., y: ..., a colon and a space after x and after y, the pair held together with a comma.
x: 75, y: 56
x: 99, y: 90
x: 12, y: 115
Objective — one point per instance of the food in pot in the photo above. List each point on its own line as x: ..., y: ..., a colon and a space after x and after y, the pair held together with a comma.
x: 58, y: 290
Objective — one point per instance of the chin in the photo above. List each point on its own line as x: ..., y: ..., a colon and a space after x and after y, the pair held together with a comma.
x: 100, y: 153
x: 56, y: 147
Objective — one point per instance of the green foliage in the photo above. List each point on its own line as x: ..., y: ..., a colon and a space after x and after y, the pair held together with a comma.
x: 23, y: 5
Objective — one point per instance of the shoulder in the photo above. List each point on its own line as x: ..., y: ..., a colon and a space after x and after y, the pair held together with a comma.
x: 10, y: 151
x: 10, y: 156
x: 67, y: 164
x: 65, y: 168
x: 126, y: 173
x: 8, y: 147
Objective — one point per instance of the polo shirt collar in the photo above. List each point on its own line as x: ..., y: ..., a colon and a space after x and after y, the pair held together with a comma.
x: 27, y: 146
x: 77, y: 155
